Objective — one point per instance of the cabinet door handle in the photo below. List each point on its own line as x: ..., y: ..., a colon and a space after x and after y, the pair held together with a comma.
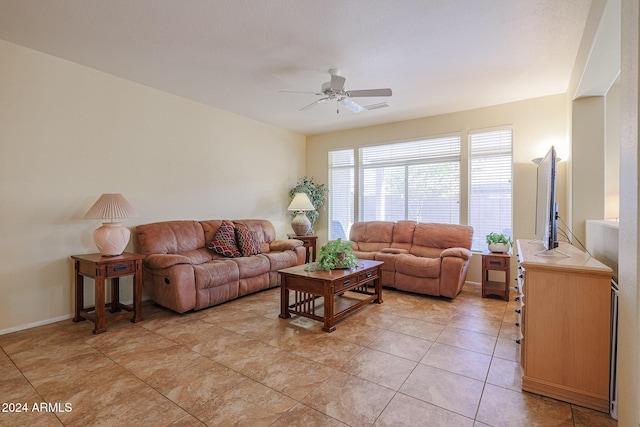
x: 518, y: 310
x: 518, y: 341
x: 518, y: 324
x: 516, y: 299
x: 346, y: 282
x: 369, y: 273
x: 120, y: 268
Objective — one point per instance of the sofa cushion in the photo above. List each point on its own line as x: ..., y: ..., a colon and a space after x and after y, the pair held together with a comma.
x: 394, y: 251
x: 280, y: 260
x: 403, y: 234
x: 252, y: 266
x: 418, y: 266
x: 215, y: 273
x: 371, y: 236
x: 264, y: 231
x: 443, y: 236
x: 224, y: 241
x: 169, y: 237
x: 248, y: 242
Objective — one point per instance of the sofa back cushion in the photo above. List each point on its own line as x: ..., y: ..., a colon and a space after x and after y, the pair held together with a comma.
x: 372, y: 236
x: 430, y: 239
x: 263, y: 231
x: 403, y: 234
x: 170, y: 237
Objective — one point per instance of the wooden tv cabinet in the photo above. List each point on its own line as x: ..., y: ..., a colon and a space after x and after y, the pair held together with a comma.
x: 565, y: 321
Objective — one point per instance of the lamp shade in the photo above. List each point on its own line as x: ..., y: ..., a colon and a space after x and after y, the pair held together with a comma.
x: 301, y: 202
x: 112, y: 237
x: 111, y: 206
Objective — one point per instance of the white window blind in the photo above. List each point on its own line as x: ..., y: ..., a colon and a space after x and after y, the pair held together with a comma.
x: 417, y: 180
x: 490, y: 188
x: 341, y: 197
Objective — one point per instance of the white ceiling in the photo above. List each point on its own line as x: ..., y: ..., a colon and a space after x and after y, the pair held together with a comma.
x: 438, y: 56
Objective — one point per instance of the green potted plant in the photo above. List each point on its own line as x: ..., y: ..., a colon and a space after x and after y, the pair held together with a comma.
x: 498, y: 242
x: 317, y: 194
x: 336, y: 254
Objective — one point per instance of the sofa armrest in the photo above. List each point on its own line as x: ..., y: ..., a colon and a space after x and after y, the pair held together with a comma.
x: 463, y: 253
x: 284, y: 245
x: 165, y: 260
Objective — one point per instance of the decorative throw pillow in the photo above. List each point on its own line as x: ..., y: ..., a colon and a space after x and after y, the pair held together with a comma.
x: 247, y: 241
x: 224, y: 241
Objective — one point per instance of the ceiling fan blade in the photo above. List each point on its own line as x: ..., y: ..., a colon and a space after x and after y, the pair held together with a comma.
x: 369, y: 92
x: 376, y: 106
x: 299, y: 91
x: 313, y: 104
x: 337, y: 83
x: 352, y: 105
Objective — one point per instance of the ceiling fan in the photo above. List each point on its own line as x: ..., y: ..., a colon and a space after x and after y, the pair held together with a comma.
x: 334, y: 90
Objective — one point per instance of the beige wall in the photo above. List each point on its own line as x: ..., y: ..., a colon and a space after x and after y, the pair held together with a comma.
x: 588, y: 163
x: 537, y: 124
x: 629, y: 274
x: 70, y: 133
x: 612, y: 153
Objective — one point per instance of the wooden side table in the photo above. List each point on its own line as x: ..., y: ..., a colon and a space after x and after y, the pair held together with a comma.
x: 492, y: 261
x: 309, y: 244
x: 102, y: 268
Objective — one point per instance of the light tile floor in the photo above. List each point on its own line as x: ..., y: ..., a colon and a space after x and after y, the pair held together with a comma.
x: 411, y: 361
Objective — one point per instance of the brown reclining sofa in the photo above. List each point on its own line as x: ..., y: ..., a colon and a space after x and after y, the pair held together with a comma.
x: 425, y: 258
x: 179, y: 271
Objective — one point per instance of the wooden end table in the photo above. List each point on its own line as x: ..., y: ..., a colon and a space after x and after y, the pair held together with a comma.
x: 308, y: 286
x: 102, y: 268
x: 493, y: 261
x: 309, y: 244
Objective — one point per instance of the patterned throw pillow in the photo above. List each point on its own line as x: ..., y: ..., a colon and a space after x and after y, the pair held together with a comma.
x: 247, y: 241
x: 224, y: 241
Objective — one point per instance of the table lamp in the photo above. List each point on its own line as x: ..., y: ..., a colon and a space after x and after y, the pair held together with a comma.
x: 300, y: 204
x: 112, y: 237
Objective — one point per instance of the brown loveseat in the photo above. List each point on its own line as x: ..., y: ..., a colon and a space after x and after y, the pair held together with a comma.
x: 425, y: 258
x: 180, y: 273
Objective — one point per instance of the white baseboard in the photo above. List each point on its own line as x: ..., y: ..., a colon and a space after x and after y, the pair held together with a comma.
x: 49, y: 321
x: 35, y: 324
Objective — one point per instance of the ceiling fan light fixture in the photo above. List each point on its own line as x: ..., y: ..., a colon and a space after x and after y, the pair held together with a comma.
x: 351, y: 105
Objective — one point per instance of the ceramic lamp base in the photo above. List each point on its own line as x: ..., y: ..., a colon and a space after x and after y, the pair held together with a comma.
x: 111, y: 238
x: 301, y: 224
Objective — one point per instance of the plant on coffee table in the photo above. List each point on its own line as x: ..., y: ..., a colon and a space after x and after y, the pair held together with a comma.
x: 335, y: 254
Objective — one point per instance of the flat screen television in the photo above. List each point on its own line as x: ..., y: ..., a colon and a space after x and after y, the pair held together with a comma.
x: 546, y: 206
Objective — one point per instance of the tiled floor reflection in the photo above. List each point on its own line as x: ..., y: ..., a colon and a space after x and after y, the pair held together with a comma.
x: 411, y: 361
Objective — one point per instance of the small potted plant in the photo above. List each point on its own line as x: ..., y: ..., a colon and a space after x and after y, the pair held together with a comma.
x: 336, y: 254
x: 498, y: 242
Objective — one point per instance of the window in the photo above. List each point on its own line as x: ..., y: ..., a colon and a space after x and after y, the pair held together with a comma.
x: 417, y: 180
x: 341, y: 197
x: 490, y: 188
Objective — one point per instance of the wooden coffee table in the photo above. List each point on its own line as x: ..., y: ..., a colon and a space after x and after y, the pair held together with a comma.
x: 328, y: 296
